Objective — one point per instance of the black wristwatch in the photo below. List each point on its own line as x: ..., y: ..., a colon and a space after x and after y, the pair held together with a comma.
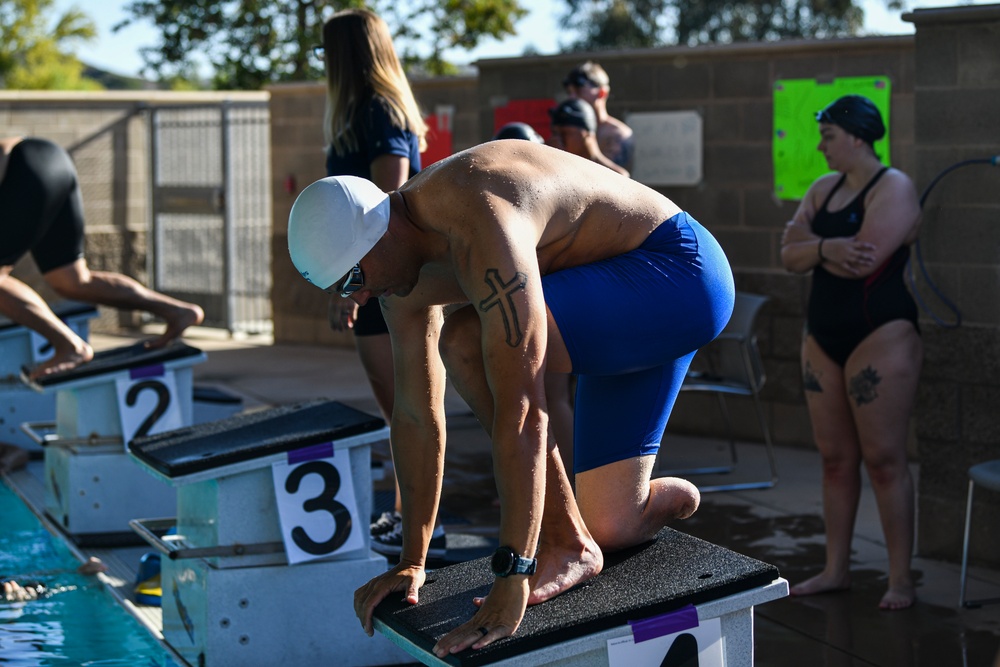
x: 506, y: 562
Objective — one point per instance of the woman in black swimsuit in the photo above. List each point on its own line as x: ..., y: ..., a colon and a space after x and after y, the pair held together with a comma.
x: 861, y: 353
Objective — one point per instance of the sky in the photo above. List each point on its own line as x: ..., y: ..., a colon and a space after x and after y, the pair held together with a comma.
x: 118, y: 52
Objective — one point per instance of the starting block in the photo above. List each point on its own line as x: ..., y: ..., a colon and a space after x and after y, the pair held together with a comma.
x: 676, y: 600
x: 93, y: 488
x: 20, y: 346
x: 270, y: 537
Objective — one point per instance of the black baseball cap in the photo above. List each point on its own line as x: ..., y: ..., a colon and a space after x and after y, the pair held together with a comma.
x: 579, y: 79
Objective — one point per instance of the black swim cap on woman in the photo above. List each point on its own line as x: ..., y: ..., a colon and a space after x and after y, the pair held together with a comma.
x: 856, y: 115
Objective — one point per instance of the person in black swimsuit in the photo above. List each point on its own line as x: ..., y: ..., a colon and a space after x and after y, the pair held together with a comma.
x: 861, y: 353
x: 41, y: 212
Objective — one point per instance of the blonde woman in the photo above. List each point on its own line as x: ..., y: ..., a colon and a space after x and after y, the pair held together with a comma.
x: 373, y: 130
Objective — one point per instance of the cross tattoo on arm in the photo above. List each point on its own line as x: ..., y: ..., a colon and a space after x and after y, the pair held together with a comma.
x: 502, y: 297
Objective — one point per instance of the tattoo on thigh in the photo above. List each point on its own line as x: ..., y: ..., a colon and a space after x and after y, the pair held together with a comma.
x: 502, y: 296
x: 862, y: 386
x: 810, y: 379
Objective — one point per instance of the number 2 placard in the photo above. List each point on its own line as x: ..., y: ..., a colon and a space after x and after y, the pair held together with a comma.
x: 147, y: 402
x: 316, y: 504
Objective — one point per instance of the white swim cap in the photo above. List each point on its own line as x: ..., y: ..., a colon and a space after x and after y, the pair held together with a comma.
x: 333, y: 224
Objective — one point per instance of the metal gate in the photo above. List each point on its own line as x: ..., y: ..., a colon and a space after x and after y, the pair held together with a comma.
x: 211, y: 200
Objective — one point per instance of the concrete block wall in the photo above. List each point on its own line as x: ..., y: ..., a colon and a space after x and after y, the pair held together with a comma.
x: 107, y: 142
x: 731, y: 88
x: 107, y: 135
x: 956, y: 117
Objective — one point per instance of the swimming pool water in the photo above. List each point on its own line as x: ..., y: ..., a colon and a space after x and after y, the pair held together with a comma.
x: 77, y: 622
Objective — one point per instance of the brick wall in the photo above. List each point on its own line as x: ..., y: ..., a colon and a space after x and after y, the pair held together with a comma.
x: 107, y: 135
x: 956, y: 117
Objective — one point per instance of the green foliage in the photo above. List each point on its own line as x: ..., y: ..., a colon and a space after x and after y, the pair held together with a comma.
x: 248, y: 44
x: 607, y: 24
x: 34, y: 53
x: 710, y: 21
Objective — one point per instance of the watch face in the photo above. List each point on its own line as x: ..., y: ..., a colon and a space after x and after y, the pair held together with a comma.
x: 503, y: 561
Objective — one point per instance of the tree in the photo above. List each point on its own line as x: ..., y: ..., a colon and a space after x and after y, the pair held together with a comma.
x: 616, y: 24
x: 606, y: 24
x: 251, y: 43
x: 713, y: 21
x: 34, y: 54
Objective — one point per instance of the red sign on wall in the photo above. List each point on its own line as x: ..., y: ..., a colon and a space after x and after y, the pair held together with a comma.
x: 533, y: 112
x: 439, y: 141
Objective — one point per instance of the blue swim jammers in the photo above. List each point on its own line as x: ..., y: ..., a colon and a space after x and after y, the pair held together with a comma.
x: 667, y: 298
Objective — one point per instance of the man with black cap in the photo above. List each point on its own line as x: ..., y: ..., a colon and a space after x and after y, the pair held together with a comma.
x: 590, y: 83
x: 574, y: 130
x: 527, y: 246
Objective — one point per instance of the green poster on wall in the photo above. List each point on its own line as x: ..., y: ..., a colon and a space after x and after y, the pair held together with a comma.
x: 797, y: 163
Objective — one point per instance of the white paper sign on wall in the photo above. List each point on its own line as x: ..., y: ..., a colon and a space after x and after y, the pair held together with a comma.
x: 668, y: 147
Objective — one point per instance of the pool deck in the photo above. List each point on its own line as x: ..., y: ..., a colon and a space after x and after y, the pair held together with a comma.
x: 782, y: 526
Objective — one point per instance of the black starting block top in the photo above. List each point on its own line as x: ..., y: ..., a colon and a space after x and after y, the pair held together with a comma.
x: 63, y: 310
x: 249, y: 436
x: 671, y: 572
x: 120, y: 359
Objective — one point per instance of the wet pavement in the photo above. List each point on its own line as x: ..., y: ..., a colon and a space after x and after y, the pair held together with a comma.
x: 782, y: 526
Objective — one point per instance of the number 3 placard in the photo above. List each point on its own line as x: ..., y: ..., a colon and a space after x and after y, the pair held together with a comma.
x: 316, y: 504
x: 147, y: 402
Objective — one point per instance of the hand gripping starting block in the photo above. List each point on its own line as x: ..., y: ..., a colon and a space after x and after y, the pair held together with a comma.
x: 677, y: 601
x: 21, y: 347
x: 271, y: 537
x: 93, y: 487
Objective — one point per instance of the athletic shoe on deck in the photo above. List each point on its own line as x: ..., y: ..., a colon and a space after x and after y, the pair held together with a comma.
x: 391, y: 544
x: 385, y: 524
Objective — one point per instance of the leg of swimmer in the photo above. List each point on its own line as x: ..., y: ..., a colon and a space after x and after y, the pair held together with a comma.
x: 620, y: 422
x: 837, y: 441
x: 559, y: 397
x: 884, y: 371
x: 623, y: 506
x: 567, y: 554
x: 23, y: 305
x: 76, y: 281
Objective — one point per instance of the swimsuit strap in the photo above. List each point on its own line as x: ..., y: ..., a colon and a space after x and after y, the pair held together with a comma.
x: 834, y: 190
x: 871, y: 184
x: 860, y: 196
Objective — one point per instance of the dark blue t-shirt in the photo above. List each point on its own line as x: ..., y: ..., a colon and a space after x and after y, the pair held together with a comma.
x: 376, y: 136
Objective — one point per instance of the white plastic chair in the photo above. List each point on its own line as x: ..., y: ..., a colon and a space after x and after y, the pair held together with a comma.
x: 731, y: 365
x: 986, y: 475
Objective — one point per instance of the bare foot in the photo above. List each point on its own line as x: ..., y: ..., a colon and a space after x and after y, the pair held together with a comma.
x: 93, y: 565
x: 184, y: 316
x: 12, y: 457
x: 898, y: 597
x: 822, y: 583
x: 63, y: 361
x: 678, y: 498
x: 560, y: 570
x: 557, y: 574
